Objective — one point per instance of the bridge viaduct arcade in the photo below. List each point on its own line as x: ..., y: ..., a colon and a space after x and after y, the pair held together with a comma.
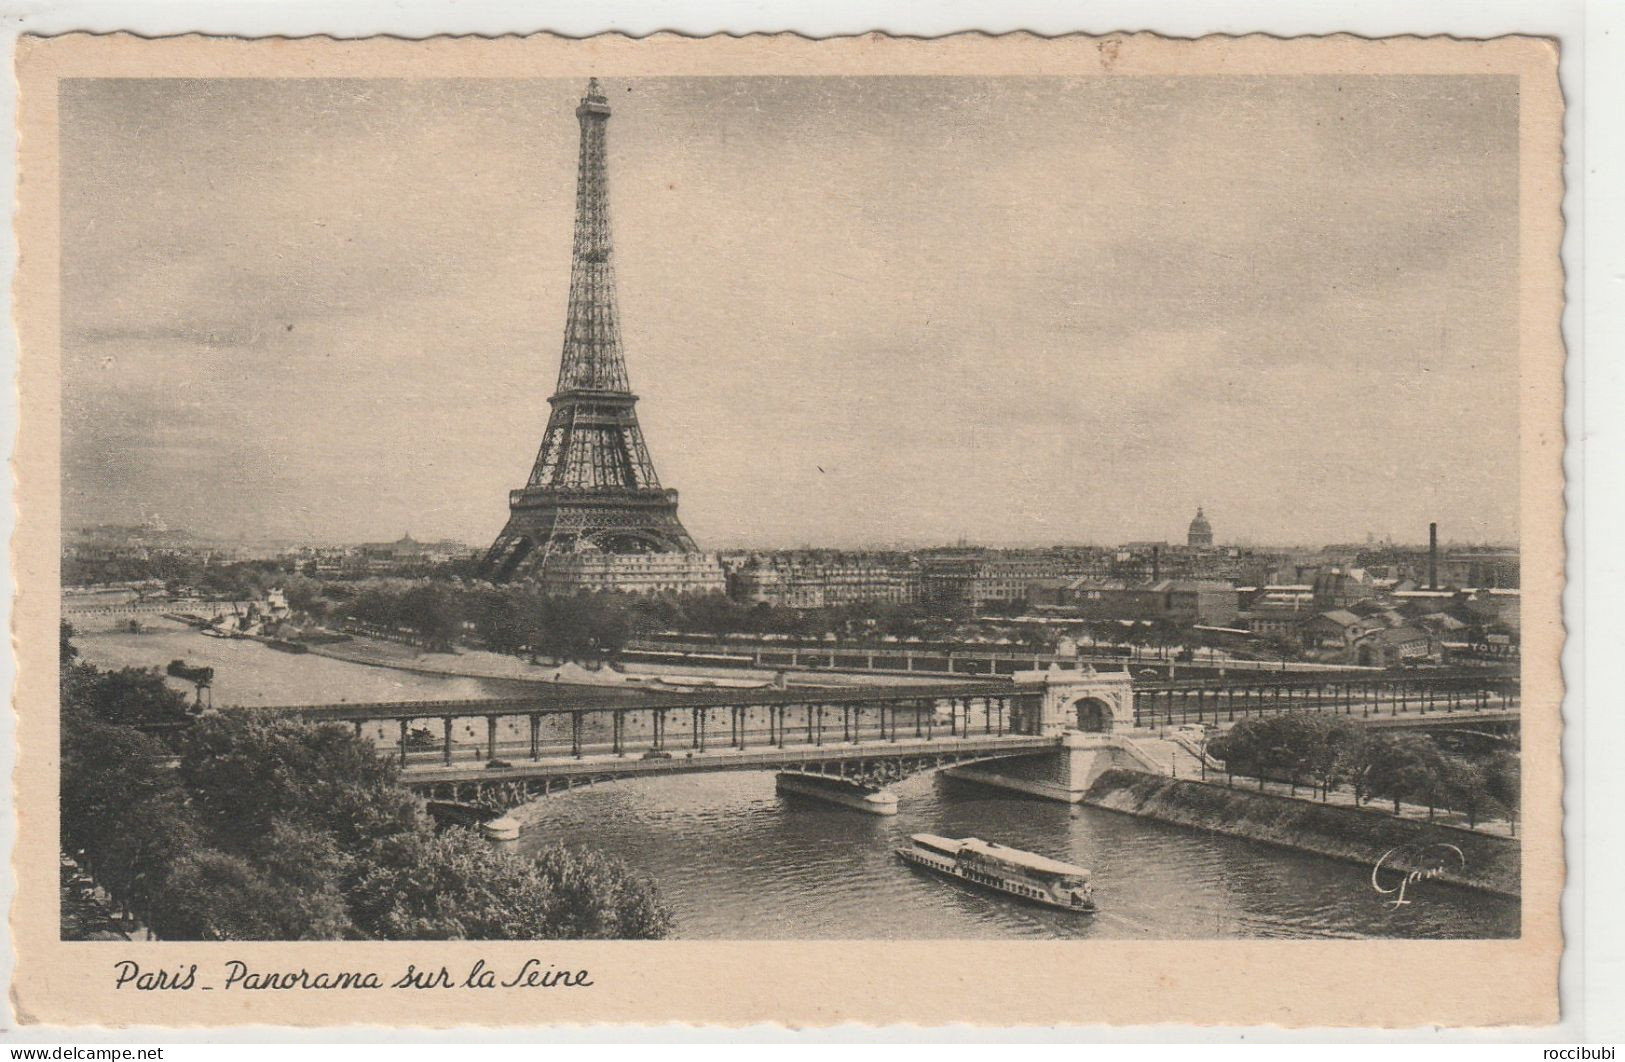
x: 1043, y: 732
x: 1214, y: 701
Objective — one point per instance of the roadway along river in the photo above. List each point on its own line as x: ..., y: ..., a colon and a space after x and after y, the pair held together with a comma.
x: 736, y: 861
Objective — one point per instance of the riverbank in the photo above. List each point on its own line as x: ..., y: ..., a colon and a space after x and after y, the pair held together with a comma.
x: 483, y: 664
x: 1357, y: 835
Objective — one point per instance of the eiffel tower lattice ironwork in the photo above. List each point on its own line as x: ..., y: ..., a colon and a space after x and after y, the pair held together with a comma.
x: 593, y: 486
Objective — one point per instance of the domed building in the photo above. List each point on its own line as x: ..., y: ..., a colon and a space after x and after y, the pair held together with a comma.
x: 1201, y: 532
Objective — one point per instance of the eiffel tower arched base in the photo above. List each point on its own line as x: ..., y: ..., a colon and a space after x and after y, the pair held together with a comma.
x: 546, y: 524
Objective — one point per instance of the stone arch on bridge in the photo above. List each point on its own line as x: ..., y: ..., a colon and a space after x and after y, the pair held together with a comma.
x: 1079, y: 700
x: 1093, y: 715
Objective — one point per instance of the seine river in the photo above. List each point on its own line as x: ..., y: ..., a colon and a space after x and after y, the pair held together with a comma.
x: 735, y: 860
x: 248, y: 675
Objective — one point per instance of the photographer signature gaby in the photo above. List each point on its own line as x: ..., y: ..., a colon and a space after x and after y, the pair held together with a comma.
x: 1390, y: 877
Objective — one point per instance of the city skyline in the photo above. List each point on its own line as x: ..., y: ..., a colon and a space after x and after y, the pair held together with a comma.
x: 385, y: 537
x: 1147, y: 313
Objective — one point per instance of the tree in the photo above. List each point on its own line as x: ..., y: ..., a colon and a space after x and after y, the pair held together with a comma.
x: 595, y: 897
x: 606, y: 625
x: 305, y: 595
x: 434, y: 612
x: 1284, y: 648
x: 128, y: 696
x: 455, y: 885
x: 1165, y: 633
x: 310, y: 874
x: 499, y: 620
x: 448, y: 886
x: 1466, y: 787
x: 1325, y: 737
x: 246, y: 773
x: 1502, y: 780
x: 122, y: 809
x: 1238, y: 748
x: 211, y: 895
x: 291, y: 887
x: 1411, y: 770
x: 1363, y: 758
x: 1298, y: 746
x: 67, y: 652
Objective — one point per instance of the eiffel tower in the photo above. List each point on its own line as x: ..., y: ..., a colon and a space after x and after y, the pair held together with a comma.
x: 593, y: 486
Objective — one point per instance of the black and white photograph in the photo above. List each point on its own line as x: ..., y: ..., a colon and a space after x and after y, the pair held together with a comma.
x: 743, y: 506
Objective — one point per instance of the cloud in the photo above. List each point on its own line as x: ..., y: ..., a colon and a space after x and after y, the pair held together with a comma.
x: 1003, y: 308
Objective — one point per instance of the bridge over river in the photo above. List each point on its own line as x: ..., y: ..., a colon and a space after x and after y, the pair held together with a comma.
x: 562, y: 737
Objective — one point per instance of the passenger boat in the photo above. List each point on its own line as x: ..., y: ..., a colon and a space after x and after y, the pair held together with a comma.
x: 1027, y: 875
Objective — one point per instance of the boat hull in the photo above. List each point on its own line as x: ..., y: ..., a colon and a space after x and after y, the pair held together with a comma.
x: 948, y: 868
x: 847, y: 794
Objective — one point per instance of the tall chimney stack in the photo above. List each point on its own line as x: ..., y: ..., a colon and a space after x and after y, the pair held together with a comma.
x: 1433, y: 556
x: 1156, y: 563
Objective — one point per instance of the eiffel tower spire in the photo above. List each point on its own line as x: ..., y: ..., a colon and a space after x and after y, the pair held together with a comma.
x: 593, y: 485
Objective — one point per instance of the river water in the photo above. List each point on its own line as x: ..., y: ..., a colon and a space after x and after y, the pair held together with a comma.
x: 247, y: 674
x: 737, y: 861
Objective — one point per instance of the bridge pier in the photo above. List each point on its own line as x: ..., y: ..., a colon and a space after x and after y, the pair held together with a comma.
x: 1064, y: 775
x: 838, y: 790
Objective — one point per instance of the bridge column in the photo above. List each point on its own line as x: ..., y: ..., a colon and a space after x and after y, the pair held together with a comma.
x: 696, y: 726
x: 811, y: 736
x: 490, y: 737
x: 404, y: 723
x: 535, y: 736
x: 815, y: 713
x: 846, y: 722
x: 575, y: 734
x: 618, y: 732
x: 779, y: 710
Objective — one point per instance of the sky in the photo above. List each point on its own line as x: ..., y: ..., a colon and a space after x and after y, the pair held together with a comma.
x: 858, y: 311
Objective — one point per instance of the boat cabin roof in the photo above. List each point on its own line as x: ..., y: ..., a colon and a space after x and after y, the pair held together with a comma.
x: 945, y: 845
x: 1029, y: 861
